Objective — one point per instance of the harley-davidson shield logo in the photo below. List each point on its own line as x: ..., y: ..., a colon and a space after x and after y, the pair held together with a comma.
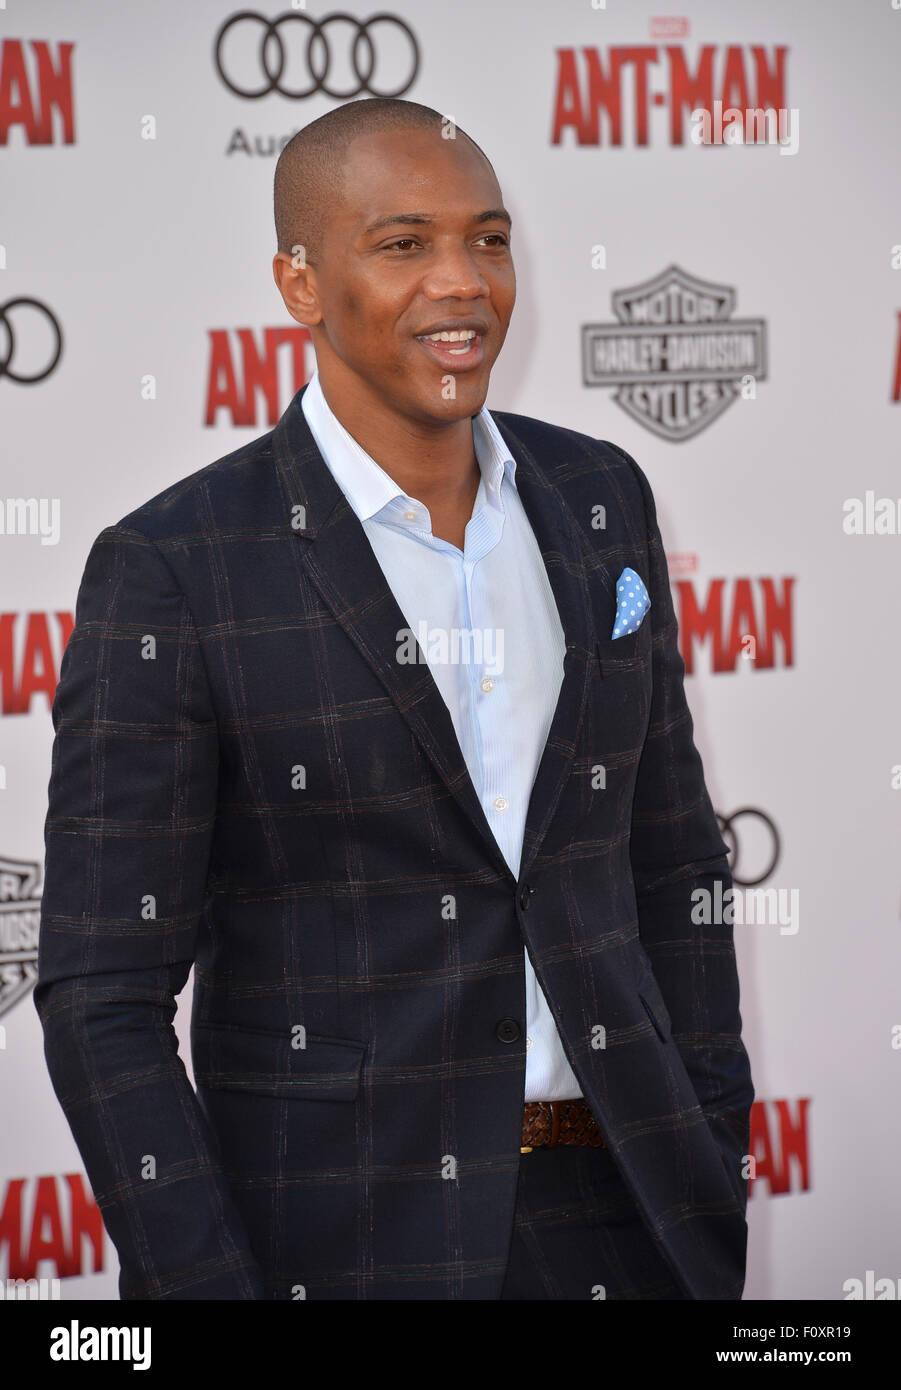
x: 676, y: 356
x: 20, y: 919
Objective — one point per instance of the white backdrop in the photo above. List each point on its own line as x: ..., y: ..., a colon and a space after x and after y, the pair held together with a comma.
x: 144, y: 247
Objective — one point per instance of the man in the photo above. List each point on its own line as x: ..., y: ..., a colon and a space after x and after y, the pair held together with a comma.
x: 344, y: 723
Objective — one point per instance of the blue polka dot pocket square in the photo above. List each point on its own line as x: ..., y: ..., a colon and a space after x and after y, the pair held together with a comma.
x: 632, y: 602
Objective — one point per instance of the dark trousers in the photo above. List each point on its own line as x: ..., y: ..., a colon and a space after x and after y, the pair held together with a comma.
x: 578, y: 1234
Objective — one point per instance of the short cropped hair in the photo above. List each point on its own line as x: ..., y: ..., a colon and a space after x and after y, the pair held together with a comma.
x: 309, y: 172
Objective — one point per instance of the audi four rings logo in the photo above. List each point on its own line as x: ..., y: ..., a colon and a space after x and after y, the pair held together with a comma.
x: 764, y: 844
x: 276, y: 43
x: 8, y: 351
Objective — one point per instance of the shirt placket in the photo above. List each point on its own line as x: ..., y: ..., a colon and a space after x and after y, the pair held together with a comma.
x: 486, y: 690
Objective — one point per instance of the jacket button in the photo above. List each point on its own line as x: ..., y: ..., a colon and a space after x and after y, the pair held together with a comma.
x: 508, y: 1030
x: 525, y: 897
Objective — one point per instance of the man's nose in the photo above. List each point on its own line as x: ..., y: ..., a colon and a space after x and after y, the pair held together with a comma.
x: 455, y: 274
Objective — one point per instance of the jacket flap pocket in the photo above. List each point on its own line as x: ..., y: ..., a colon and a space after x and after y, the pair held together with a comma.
x: 242, y: 1059
x: 656, y: 1010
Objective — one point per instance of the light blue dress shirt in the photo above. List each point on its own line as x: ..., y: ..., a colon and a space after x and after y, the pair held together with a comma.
x: 487, y: 622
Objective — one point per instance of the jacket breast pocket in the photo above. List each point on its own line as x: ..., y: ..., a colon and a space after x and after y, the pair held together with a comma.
x: 241, y: 1059
x: 623, y: 691
x: 649, y: 993
x: 617, y: 655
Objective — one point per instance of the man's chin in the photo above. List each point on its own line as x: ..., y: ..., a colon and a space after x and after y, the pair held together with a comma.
x: 447, y: 397
x: 436, y: 410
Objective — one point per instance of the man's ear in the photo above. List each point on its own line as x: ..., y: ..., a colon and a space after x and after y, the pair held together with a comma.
x: 296, y: 281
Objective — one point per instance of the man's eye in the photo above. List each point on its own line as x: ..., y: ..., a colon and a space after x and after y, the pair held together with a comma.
x: 411, y: 241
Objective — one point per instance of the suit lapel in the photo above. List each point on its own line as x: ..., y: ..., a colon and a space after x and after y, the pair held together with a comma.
x: 342, y: 566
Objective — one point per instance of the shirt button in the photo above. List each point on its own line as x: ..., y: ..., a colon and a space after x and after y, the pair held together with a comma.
x: 528, y: 1043
x: 500, y: 803
x: 487, y: 683
x: 410, y: 516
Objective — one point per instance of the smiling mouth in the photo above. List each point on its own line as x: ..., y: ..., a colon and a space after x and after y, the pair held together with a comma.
x: 455, y: 350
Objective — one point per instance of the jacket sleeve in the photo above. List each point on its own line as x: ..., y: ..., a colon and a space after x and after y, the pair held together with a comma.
x: 132, y: 802
x: 676, y: 849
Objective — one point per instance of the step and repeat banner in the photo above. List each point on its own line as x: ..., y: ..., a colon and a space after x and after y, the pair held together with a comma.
x: 707, y: 239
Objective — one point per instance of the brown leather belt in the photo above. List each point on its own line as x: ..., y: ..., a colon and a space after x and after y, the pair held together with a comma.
x: 546, y: 1123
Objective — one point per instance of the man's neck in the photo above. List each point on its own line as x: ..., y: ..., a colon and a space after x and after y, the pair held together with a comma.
x: 436, y: 465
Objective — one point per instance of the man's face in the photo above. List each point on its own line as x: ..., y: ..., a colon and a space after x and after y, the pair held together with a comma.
x: 435, y: 261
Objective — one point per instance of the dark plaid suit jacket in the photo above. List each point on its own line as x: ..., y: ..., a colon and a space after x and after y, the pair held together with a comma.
x: 246, y: 779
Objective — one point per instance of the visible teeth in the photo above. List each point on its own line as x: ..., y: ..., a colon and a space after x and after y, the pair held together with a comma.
x: 457, y: 336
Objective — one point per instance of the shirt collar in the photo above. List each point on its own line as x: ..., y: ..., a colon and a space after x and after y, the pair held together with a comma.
x: 367, y: 487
